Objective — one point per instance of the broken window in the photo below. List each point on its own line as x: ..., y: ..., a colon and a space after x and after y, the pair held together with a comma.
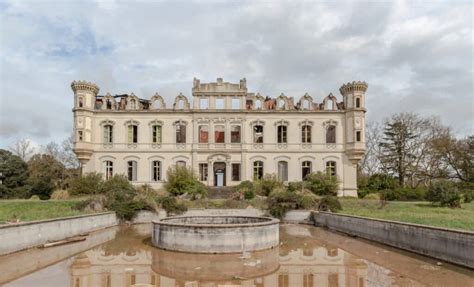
x: 219, y: 103
x: 203, y: 134
x: 258, y: 105
x: 133, y: 104
x: 257, y: 170
x: 203, y: 169
x: 358, y: 136
x: 305, y: 104
x: 248, y: 104
x: 331, y: 134
x: 236, y: 172
x: 305, y: 169
x: 235, y: 134
x: 306, y: 134
x: 180, y: 133
x: 235, y: 104
x: 132, y: 134
x: 281, y: 104
x: 156, y: 134
x: 258, y: 134
x: 283, y: 171
x: 331, y: 168
x: 108, y: 134
x: 203, y: 104
x: 281, y: 134
x: 156, y: 170
x: 109, y: 169
x: 132, y: 170
x: 219, y: 134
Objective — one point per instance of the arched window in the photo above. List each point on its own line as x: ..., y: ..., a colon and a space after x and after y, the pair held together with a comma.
x: 157, y: 104
x: 281, y: 134
x: 180, y: 133
x: 258, y: 134
x: 235, y: 134
x: 203, y: 134
x: 306, y: 168
x: 180, y: 104
x: 133, y: 104
x: 258, y: 104
x: 257, y: 170
x: 331, y: 134
x: 306, y: 134
x: 108, y: 169
x: 283, y: 170
x: 219, y: 134
x: 132, y: 134
x: 132, y: 170
x: 180, y: 163
x: 357, y: 102
x: 81, y: 102
x: 331, y: 168
x: 108, y: 104
x: 156, y: 134
x: 305, y: 105
x: 329, y: 105
x: 156, y: 170
x: 108, y: 134
x: 281, y: 104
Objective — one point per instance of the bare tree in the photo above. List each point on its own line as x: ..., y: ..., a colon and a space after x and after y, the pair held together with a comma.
x: 370, y: 163
x: 22, y: 148
x: 63, y: 153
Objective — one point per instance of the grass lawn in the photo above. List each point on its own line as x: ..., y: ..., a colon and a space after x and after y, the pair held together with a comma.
x: 28, y: 210
x: 413, y: 212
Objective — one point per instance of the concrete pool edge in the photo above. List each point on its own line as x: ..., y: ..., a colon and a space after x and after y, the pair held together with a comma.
x: 450, y: 245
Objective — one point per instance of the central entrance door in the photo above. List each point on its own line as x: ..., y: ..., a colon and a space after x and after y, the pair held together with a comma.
x: 219, y: 174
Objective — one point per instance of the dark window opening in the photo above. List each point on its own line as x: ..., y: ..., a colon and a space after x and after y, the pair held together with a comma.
x: 282, y: 134
x: 257, y: 170
x: 357, y: 102
x: 358, y: 136
x: 180, y: 133
x: 306, y: 134
x: 156, y: 170
x: 258, y: 134
x: 305, y: 169
x: 219, y: 134
x: 156, y: 138
x: 203, y: 170
x: 236, y: 172
x: 132, y: 134
x: 132, y: 170
x: 235, y: 134
x: 331, y: 134
x: 331, y: 168
x: 80, y: 136
x: 109, y: 169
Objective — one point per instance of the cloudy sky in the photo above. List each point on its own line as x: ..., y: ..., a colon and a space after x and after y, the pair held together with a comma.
x: 416, y: 56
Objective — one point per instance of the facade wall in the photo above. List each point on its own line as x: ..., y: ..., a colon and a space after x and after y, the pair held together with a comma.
x: 94, y: 151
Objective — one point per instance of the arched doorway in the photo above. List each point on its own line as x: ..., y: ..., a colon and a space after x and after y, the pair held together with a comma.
x: 219, y: 174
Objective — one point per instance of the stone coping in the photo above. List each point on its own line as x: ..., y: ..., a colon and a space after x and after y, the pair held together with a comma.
x: 12, y: 225
x: 264, y: 221
x: 400, y: 222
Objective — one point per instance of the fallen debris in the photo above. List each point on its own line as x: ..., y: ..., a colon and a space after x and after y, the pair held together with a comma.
x: 64, y: 241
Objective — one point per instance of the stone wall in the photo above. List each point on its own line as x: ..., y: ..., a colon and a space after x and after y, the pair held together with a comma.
x: 15, y: 237
x: 446, y: 244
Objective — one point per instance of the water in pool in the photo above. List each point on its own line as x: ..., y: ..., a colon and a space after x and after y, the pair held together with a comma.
x: 306, y: 257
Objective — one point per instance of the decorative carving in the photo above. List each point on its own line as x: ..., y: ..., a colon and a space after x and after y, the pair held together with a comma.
x: 158, y: 98
x: 84, y: 85
x: 303, y: 99
x: 331, y: 98
x: 359, y: 86
x: 107, y: 122
x: 178, y: 99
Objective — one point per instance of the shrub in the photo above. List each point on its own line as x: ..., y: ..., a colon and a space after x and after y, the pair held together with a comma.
x: 281, y: 201
x: 381, y: 181
x: 182, y: 180
x: 295, y: 186
x: 245, y: 190
x: 267, y: 184
x: 246, y: 184
x: 60, y: 194
x: 468, y: 196
x: 330, y: 203
x: 372, y: 196
x: 42, y: 186
x: 172, y: 206
x: 404, y: 194
x: 34, y: 197
x: 120, y: 195
x: 90, y: 183
x: 445, y: 193
x: 148, y: 196
x: 321, y: 183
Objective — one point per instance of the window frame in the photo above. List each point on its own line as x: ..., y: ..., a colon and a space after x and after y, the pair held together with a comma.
x: 156, y: 170
x: 306, y: 165
x: 282, y: 134
x: 239, y: 140
x: 203, y: 171
x: 108, y: 169
x: 132, y: 134
x: 216, y: 133
x: 258, y: 169
x: 331, y: 168
x: 132, y: 170
x: 234, y: 176
x: 282, y: 172
x: 306, y: 134
x: 156, y: 134
x: 331, y: 134
x: 108, y: 134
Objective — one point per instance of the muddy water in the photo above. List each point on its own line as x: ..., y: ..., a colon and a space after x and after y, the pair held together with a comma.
x: 307, y: 257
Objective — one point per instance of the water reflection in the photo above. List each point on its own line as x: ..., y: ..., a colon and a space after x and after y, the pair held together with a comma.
x: 299, y: 261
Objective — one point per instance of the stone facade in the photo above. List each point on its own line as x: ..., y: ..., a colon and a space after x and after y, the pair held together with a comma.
x: 226, y: 135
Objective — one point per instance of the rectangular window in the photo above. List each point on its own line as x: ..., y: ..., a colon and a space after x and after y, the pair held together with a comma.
x: 236, y: 172
x: 235, y: 104
x: 180, y: 134
x: 156, y: 134
x: 132, y: 134
x: 203, y: 171
x: 108, y: 134
x: 306, y: 134
x: 258, y: 134
x: 203, y: 104
x: 235, y: 134
x: 358, y: 136
x: 132, y: 170
x: 109, y: 169
x: 203, y: 134
x: 80, y: 136
x: 331, y: 168
x: 331, y: 135
x: 282, y: 134
x: 156, y: 170
x: 219, y: 133
x: 220, y: 104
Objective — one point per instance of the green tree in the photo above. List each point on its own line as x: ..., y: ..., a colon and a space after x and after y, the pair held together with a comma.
x: 396, y: 152
x: 15, y: 174
x: 321, y: 183
x: 45, y: 174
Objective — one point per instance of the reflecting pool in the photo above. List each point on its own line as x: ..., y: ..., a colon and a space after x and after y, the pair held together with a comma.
x: 306, y: 257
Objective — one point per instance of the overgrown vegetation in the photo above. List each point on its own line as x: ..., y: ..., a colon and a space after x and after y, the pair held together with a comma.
x: 181, y: 181
x: 89, y: 183
x: 321, y: 184
x: 268, y: 184
x: 444, y: 193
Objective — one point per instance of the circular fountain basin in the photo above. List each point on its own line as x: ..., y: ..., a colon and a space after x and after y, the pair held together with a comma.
x: 215, y: 234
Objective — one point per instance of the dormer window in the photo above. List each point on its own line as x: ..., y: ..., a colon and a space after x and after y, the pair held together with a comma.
x: 133, y: 104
